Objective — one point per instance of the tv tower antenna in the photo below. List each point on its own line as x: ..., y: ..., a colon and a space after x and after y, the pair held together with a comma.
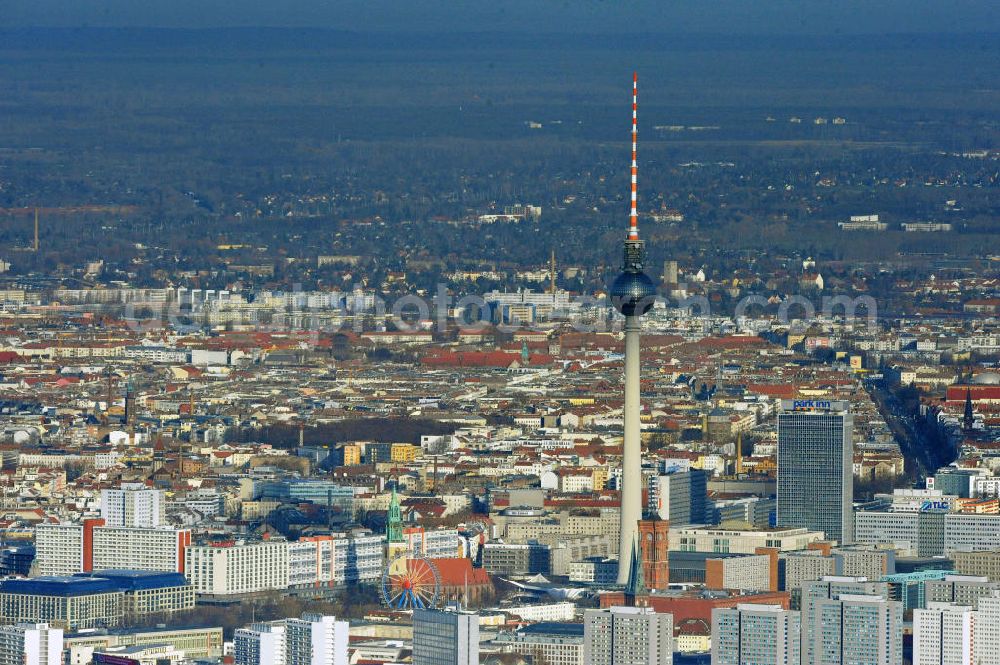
x: 633, y: 218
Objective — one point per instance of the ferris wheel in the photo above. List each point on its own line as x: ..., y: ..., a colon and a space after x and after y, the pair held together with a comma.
x: 411, y: 581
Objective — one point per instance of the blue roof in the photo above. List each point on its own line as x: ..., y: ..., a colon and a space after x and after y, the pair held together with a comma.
x: 553, y: 628
x: 104, y: 581
x: 138, y: 580
x: 59, y: 586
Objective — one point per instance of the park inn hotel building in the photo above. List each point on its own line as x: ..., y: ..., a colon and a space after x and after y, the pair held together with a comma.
x: 815, y: 470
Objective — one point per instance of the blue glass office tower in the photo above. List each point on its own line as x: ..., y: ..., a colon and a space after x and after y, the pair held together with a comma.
x: 815, y: 467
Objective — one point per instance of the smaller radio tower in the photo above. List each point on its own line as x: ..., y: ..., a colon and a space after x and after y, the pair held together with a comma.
x: 552, y: 272
x: 36, y: 231
x: 129, y: 404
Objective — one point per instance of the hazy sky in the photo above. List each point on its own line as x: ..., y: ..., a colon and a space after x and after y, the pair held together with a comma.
x: 574, y: 16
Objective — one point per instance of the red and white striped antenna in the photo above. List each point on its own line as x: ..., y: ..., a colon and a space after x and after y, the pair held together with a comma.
x: 633, y: 219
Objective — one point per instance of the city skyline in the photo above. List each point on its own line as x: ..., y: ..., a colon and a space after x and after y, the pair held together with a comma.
x: 355, y: 333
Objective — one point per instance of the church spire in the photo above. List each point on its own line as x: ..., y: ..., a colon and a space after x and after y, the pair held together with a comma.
x: 635, y: 590
x: 394, y: 520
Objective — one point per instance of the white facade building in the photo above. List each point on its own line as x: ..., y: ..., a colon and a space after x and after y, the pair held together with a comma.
x: 549, y: 643
x: 855, y: 629
x: 986, y: 643
x: 30, y: 644
x: 628, y: 636
x: 231, y: 568
x: 133, y: 505
x: 739, y: 541
x: 316, y: 639
x: 751, y: 633
x: 557, y: 612
x: 122, y: 548
x: 942, y: 634
x: 65, y: 549
x: 357, y: 558
x: 59, y: 549
x: 237, y: 568
x: 260, y: 644
x: 441, y: 543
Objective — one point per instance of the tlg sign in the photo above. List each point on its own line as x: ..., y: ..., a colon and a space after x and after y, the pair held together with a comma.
x: 928, y: 505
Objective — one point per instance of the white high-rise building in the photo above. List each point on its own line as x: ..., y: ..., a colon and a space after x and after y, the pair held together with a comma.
x: 830, y: 587
x: 445, y: 638
x: 133, y: 548
x: 316, y: 639
x: 866, y: 630
x: 65, y: 549
x: 58, y: 549
x: 750, y: 633
x: 986, y: 644
x: 133, y: 505
x: 628, y: 636
x: 31, y: 644
x: 260, y: 644
x: 236, y: 568
x: 942, y: 634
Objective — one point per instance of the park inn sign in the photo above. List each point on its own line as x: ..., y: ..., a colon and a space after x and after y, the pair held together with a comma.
x: 836, y: 406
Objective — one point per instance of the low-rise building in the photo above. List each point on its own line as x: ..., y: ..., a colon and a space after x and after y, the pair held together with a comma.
x: 194, y: 642
x: 739, y: 541
x: 149, y: 592
x: 69, y: 603
x: 98, y: 600
x: 985, y: 564
x: 594, y: 570
x: 516, y: 558
x: 960, y: 589
x: 552, y: 643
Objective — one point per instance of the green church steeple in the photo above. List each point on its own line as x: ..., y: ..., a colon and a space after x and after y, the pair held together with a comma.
x: 394, y: 521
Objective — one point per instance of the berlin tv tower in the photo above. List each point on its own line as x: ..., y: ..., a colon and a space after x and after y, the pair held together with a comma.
x: 632, y: 293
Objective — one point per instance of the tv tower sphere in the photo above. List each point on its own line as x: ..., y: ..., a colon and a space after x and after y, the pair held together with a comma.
x: 633, y: 292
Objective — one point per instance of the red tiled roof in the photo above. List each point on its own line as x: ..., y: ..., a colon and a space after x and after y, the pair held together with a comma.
x: 980, y: 392
x: 456, y: 570
x: 785, y: 390
x: 482, y: 358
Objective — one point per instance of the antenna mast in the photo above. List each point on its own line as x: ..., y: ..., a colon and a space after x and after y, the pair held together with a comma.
x: 552, y: 272
x: 633, y: 219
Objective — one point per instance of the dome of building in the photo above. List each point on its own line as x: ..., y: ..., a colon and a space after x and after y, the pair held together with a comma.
x: 633, y: 293
x: 987, y: 379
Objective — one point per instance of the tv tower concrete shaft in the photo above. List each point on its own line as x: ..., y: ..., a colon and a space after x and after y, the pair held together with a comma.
x: 631, y: 486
